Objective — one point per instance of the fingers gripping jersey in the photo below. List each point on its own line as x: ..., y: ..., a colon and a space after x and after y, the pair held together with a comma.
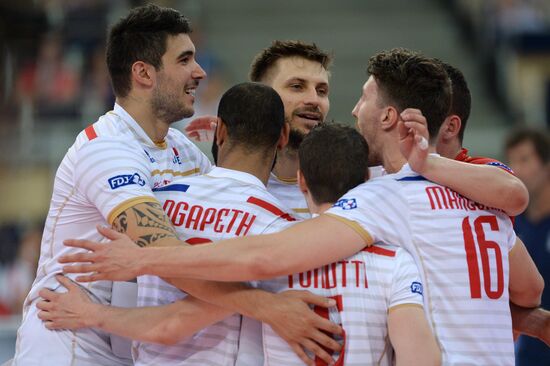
x: 220, y: 205
x: 365, y: 286
x: 288, y: 192
x: 461, y: 249
x: 112, y: 166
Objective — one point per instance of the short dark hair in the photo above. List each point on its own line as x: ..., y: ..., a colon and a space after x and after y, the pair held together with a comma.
x: 140, y: 36
x: 408, y: 79
x: 333, y: 160
x: 539, y: 137
x: 461, y: 99
x: 253, y: 114
x: 264, y: 61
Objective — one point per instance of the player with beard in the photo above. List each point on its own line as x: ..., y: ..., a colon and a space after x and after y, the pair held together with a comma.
x: 298, y: 71
x: 109, y: 175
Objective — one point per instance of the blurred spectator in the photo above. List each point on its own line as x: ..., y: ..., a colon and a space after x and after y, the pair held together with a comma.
x: 528, y: 153
x: 50, y: 84
x: 97, y: 94
x: 18, y: 272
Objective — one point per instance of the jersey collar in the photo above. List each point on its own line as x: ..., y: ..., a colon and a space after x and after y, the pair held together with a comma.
x: 218, y: 172
x: 136, y: 128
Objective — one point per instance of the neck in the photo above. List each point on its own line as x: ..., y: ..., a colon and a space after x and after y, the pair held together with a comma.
x: 319, y: 208
x: 255, y: 163
x: 539, y: 203
x: 139, y: 108
x: 449, y: 149
x: 392, y: 159
x: 287, y: 164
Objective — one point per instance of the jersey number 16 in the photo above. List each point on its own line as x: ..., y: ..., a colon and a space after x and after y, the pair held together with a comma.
x: 484, y: 247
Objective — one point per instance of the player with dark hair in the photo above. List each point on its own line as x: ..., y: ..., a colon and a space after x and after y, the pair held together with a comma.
x: 378, y: 290
x: 109, y: 177
x: 404, y: 209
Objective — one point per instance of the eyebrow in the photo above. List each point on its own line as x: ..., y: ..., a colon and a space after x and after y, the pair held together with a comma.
x: 185, y: 54
x: 294, y: 79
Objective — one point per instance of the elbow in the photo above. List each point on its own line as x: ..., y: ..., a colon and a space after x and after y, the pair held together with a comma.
x: 529, y: 296
x: 517, y: 198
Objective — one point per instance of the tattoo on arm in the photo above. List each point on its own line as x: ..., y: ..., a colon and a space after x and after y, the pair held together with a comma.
x: 149, y: 221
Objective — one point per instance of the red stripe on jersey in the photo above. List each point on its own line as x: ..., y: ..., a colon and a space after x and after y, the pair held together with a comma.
x: 381, y: 251
x: 271, y: 208
x: 90, y: 132
x: 175, y: 151
x: 195, y: 241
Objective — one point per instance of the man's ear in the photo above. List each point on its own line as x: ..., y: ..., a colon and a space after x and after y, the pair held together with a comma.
x: 450, y: 127
x: 221, y: 132
x: 302, y: 182
x: 144, y: 75
x: 283, y: 139
x: 389, y: 118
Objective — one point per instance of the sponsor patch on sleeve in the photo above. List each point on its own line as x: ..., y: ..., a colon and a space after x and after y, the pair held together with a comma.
x: 346, y: 203
x: 126, y: 180
x: 416, y: 287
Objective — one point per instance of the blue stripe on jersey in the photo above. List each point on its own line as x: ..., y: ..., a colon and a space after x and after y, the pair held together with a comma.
x: 172, y: 188
x: 409, y: 179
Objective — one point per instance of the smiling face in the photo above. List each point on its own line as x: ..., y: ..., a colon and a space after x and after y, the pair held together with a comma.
x: 177, y: 80
x: 303, y: 87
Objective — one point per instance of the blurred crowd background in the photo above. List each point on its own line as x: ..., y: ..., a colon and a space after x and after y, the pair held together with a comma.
x: 54, y: 82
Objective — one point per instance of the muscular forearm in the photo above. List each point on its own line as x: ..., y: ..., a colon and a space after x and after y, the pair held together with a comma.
x: 234, y: 297
x: 256, y: 257
x: 488, y: 185
x: 166, y: 324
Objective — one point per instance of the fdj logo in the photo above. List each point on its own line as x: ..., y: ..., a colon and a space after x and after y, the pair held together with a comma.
x: 126, y: 180
x: 346, y: 203
x: 416, y: 287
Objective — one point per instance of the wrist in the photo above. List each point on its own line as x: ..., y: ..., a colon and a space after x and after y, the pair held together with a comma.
x: 430, y: 166
x: 93, y: 318
x: 261, y: 308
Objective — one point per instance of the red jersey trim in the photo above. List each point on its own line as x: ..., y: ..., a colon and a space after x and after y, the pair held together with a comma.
x: 381, y: 251
x: 90, y: 132
x: 269, y: 207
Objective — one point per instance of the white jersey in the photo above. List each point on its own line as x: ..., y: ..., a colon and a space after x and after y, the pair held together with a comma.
x: 112, y: 166
x: 288, y: 192
x: 461, y: 249
x: 365, y: 286
x: 219, y: 205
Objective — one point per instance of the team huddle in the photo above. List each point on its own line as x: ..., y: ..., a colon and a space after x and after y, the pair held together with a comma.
x: 308, y: 242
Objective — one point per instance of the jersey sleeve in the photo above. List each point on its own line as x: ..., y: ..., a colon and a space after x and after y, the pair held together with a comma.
x: 407, y: 287
x: 113, y: 175
x: 375, y: 210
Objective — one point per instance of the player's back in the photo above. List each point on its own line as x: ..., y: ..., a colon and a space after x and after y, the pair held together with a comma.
x: 461, y: 249
x: 464, y: 249
x: 365, y: 286
x: 219, y: 205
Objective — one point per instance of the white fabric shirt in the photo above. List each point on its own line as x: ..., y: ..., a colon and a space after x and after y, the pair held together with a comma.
x: 219, y: 205
x: 112, y: 166
x: 288, y: 192
x: 365, y: 287
x: 461, y: 249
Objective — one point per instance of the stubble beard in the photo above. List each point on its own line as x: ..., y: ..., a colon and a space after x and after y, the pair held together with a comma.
x: 168, y: 107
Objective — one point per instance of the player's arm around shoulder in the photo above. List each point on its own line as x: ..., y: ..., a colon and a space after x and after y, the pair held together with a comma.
x: 486, y: 184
